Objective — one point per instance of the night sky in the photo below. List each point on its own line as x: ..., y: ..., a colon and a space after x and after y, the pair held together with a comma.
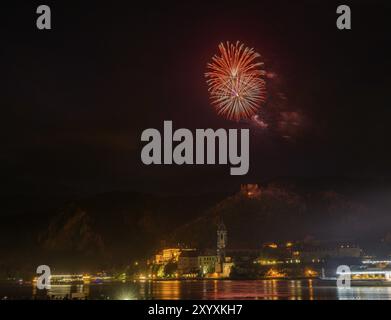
x: 76, y: 98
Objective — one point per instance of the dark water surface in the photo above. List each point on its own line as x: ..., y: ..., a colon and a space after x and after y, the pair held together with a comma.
x: 205, y: 289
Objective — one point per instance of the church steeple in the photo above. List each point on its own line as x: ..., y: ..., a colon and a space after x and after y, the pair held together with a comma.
x: 221, y: 239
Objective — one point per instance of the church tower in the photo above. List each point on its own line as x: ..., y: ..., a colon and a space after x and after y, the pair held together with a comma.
x: 221, y: 240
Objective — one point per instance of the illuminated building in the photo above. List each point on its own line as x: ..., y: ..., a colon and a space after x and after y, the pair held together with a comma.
x: 67, y: 278
x: 171, y: 254
x: 207, y: 263
x: 188, y: 264
x: 221, y: 244
x: 221, y: 240
x: 309, y: 273
x: 318, y: 252
x: 272, y: 245
x: 275, y: 274
x: 227, y: 267
x: 167, y: 255
x: 314, y: 252
x: 158, y: 258
x: 384, y: 262
x: 365, y: 273
x: 223, y: 265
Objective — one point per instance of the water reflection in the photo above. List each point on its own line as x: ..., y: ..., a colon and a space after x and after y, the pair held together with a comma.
x: 205, y: 289
x: 170, y: 290
x: 310, y: 290
x: 364, y: 293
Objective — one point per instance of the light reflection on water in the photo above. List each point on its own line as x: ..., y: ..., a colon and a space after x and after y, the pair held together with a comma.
x: 206, y: 289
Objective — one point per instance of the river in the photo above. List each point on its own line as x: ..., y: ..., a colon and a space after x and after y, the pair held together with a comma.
x: 205, y: 289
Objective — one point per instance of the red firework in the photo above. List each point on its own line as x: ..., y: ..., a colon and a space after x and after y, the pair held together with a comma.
x: 235, y: 81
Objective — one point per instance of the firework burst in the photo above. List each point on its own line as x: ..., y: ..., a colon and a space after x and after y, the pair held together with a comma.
x: 235, y: 81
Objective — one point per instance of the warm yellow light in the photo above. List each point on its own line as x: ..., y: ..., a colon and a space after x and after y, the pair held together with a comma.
x: 272, y: 273
x: 310, y: 273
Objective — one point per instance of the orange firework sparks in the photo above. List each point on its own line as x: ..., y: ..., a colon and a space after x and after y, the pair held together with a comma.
x: 235, y: 81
